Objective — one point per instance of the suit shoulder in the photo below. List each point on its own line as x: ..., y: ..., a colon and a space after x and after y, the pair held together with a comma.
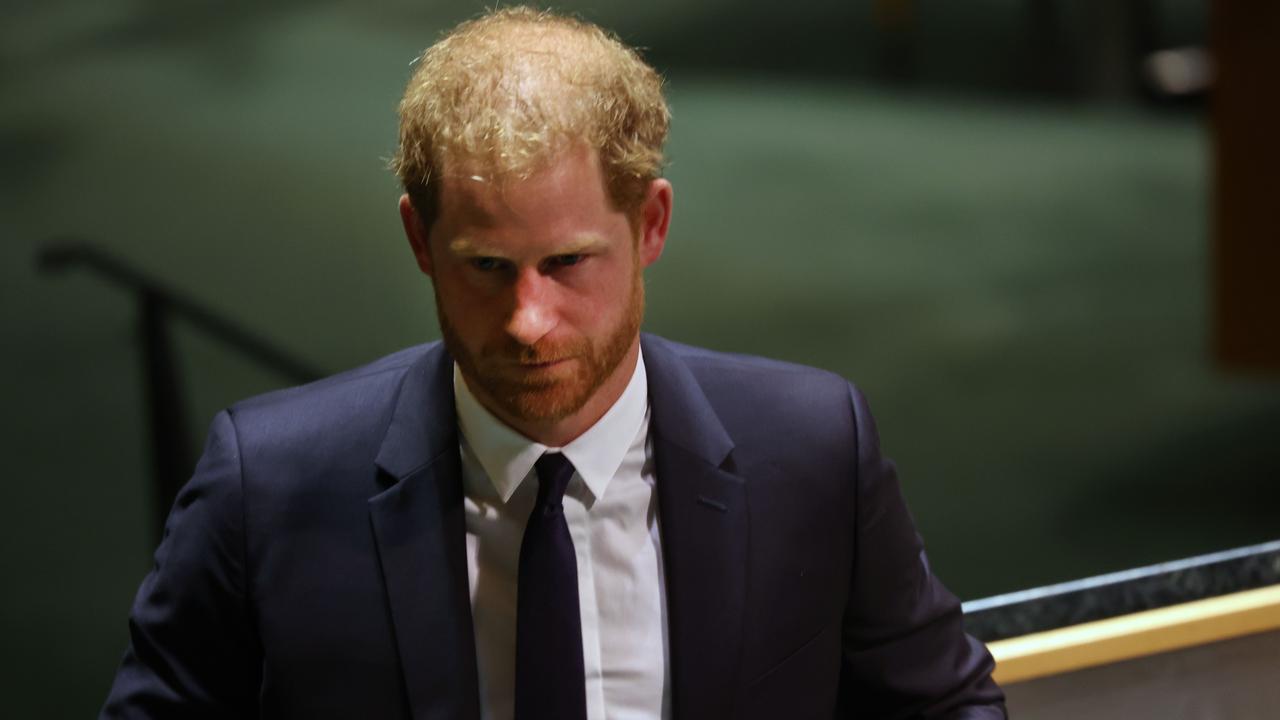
x: 758, y: 399
x: 712, y: 367
x: 348, y: 401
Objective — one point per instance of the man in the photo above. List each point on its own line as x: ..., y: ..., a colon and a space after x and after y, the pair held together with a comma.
x: 549, y: 515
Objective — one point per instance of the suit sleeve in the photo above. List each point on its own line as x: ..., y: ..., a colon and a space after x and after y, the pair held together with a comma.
x: 193, y: 652
x: 905, y: 652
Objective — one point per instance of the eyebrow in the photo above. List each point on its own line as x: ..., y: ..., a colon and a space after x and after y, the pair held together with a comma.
x: 581, y: 243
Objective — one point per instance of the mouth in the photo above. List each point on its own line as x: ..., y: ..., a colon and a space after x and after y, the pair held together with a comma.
x: 542, y: 365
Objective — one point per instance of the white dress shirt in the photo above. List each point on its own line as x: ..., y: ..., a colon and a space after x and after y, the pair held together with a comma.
x: 611, y: 510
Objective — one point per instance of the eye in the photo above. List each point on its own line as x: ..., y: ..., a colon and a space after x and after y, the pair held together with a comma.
x: 486, y: 264
x: 567, y: 260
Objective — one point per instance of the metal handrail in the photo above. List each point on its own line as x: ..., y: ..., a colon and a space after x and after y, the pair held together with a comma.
x: 158, y: 303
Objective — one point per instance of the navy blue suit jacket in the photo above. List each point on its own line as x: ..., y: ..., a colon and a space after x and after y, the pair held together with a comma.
x: 314, y: 567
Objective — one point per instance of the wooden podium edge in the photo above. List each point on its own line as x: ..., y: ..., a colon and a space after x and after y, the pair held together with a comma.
x: 1131, y: 636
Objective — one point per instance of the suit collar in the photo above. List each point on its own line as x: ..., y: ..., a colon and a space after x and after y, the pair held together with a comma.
x: 704, y: 523
x: 680, y: 408
x: 420, y: 530
x: 422, y: 424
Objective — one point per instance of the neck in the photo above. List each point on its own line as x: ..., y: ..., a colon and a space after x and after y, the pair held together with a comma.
x: 562, y: 431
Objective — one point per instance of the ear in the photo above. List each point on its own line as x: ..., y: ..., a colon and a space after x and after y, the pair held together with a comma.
x: 655, y: 218
x: 416, y: 231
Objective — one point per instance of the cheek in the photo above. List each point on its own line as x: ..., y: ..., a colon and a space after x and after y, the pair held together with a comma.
x: 607, y: 302
x: 590, y: 302
x: 458, y: 294
x: 612, y: 284
x: 456, y: 306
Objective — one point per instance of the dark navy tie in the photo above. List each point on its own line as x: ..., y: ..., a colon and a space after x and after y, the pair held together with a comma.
x: 549, y: 677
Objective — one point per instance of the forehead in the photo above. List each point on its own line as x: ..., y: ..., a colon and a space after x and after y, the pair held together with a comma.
x: 565, y: 194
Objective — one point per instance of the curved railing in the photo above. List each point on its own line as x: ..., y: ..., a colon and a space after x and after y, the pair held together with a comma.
x: 158, y: 305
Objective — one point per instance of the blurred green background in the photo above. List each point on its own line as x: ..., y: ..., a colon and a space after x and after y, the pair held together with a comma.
x: 1001, y: 239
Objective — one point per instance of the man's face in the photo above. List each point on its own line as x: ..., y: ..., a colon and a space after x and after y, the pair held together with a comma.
x: 538, y: 288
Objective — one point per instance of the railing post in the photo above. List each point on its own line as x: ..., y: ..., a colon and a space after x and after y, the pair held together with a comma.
x: 171, y: 455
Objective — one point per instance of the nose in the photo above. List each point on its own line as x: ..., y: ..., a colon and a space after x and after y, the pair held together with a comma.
x: 533, y: 315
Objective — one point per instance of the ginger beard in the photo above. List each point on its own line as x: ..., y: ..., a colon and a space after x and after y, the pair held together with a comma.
x: 499, y: 372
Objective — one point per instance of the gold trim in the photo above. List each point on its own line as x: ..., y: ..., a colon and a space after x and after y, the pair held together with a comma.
x: 1136, y: 635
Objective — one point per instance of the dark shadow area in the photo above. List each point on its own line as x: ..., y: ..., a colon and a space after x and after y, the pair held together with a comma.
x: 1219, y: 477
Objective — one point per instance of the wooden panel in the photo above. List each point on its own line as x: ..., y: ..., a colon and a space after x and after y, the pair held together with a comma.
x: 1233, y: 678
x: 1246, y: 226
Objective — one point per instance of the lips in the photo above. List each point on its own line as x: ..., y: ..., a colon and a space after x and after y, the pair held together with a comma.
x: 543, y: 364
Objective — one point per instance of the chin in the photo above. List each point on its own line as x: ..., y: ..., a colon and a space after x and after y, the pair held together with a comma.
x: 547, y: 395
x: 547, y: 404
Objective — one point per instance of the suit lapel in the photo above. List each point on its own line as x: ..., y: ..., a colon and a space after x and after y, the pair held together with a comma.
x: 703, y: 518
x: 420, y: 530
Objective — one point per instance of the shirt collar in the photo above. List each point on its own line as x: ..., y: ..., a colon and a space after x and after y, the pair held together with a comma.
x: 507, y: 456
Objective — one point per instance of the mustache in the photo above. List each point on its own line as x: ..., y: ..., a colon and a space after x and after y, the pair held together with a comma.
x: 537, y: 354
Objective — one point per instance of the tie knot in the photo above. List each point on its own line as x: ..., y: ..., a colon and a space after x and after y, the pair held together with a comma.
x: 554, y: 472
